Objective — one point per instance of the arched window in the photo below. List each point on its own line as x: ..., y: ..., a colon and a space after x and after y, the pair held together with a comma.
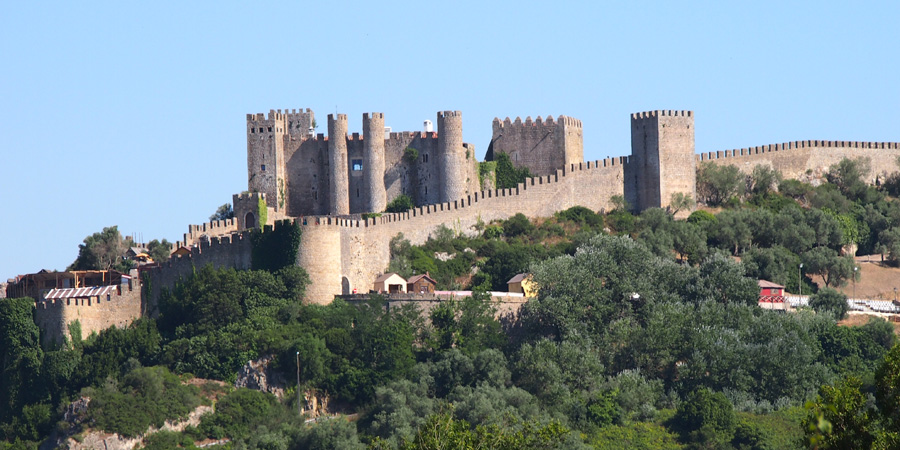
x: 249, y: 220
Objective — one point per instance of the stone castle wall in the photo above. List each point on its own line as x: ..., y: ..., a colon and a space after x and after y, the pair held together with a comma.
x: 362, y: 250
x: 213, y: 228
x: 229, y: 251
x: 120, y: 309
x: 809, y: 160
x: 301, y: 174
x: 542, y: 145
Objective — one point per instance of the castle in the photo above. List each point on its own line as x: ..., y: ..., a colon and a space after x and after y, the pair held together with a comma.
x: 326, y: 183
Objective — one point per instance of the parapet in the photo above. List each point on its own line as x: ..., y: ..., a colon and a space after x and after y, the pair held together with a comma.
x: 444, y: 114
x: 661, y: 113
x: 549, y: 122
x: 706, y: 156
x: 374, y: 115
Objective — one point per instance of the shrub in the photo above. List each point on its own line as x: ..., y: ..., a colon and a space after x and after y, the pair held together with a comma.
x: 401, y: 203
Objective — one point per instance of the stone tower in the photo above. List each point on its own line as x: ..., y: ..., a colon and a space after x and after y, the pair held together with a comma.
x: 373, y: 161
x: 452, y: 156
x: 542, y: 145
x: 265, y: 155
x: 662, y: 149
x: 338, y: 193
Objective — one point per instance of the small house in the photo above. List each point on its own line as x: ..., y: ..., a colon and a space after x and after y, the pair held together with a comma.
x: 421, y: 284
x: 771, y: 295
x: 390, y: 283
x: 523, y: 283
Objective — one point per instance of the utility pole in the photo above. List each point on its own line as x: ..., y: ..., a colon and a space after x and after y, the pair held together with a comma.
x: 299, y: 403
x: 800, y: 279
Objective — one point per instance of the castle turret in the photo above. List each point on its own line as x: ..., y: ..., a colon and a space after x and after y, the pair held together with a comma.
x: 662, y: 148
x: 452, y: 156
x: 373, y: 162
x: 265, y: 155
x: 300, y: 124
x: 339, y: 194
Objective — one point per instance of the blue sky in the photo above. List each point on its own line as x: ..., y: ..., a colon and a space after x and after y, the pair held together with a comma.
x: 125, y: 114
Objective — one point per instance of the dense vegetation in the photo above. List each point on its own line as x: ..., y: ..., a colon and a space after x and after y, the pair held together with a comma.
x: 645, y: 334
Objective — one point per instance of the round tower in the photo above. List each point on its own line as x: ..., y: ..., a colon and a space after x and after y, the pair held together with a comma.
x: 373, y: 163
x: 452, y: 156
x: 339, y: 192
x: 320, y: 255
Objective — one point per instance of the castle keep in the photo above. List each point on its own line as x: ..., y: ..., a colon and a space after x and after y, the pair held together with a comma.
x: 324, y: 183
x: 304, y: 174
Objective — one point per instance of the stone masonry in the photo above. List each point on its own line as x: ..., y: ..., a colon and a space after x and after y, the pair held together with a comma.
x: 343, y: 251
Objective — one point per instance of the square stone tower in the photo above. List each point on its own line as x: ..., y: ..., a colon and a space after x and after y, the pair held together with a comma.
x: 662, y: 149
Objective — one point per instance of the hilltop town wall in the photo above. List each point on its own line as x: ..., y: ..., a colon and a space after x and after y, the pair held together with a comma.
x: 809, y: 160
x: 230, y: 251
x: 362, y: 250
x: 95, y: 314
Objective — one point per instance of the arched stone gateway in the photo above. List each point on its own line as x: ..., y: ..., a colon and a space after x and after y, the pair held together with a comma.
x: 249, y: 220
x: 345, y: 286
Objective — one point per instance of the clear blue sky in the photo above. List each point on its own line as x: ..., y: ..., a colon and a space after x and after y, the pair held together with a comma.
x: 125, y: 114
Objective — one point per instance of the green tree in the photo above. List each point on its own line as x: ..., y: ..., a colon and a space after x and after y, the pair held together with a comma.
x: 20, y: 357
x: 834, y: 269
x: 222, y: 213
x: 764, y: 179
x: 159, y: 251
x: 831, y: 301
x: 103, y: 251
x: 705, y: 419
x: 680, y: 202
x: 717, y: 184
x: 839, y: 418
x: 400, y: 203
x: 848, y: 175
x: 795, y: 189
x: 887, y: 389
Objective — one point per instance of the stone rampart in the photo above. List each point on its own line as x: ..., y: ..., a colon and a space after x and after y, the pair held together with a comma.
x: 119, y: 309
x: 211, y: 229
x: 364, y: 244
x: 229, y: 251
x: 809, y: 160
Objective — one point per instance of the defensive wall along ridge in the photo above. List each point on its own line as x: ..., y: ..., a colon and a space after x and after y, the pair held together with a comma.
x: 807, y: 160
x: 342, y: 254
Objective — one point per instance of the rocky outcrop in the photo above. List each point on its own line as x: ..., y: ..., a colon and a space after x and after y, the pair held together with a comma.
x: 258, y: 375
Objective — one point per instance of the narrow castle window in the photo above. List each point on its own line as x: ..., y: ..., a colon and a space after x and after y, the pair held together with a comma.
x: 263, y: 167
x: 252, y: 130
x: 357, y: 192
x: 270, y: 129
x: 357, y: 164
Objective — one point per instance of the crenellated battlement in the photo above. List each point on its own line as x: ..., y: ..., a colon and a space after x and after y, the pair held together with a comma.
x: 548, y: 122
x: 661, y: 113
x: 705, y: 156
x: 444, y: 114
x: 374, y: 115
x: 209, y: 229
